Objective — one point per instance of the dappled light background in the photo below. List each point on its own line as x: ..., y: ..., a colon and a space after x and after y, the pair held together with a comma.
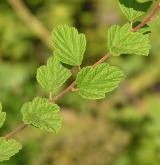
x: 122, y: 129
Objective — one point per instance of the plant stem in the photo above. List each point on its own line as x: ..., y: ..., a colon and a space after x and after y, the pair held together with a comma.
x: 53, y: 100
x: 148, y: 19
x: 102, y: 59
x: 72, y: 85
x: 63, y: 92
x: 16, y: 130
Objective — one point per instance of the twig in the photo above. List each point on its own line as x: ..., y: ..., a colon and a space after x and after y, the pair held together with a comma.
x: 16, y: 130
x: 148, y: 19
x: 35, y: 25
x: 102, y: 59
x: 63, y: 92
x: 56, y: 98
x: 72, y: 85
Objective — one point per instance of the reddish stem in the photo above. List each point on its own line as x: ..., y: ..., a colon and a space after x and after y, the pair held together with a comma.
x: 16, y: 130
x: 63, y: 92
x: 148, y: 19
x: 72, y: 85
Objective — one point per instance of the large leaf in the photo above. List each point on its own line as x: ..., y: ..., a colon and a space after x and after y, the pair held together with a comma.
x: 2, y: 116
x: 122, y: 41
x: 133, y: 9
x: 42, y: 114
x: 93, y: 83
x: 69, y: 46
x: 53, y: 75
x: 8, y: 148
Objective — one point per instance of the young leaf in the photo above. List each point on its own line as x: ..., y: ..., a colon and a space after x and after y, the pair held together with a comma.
x: 93, y: 83
x: 122, y: 41
x: 8, y: 148
x: 2, y: 116
x: 42, y: 114
x: 133, y: 9
x: 53, y: 75
x: 69, y: 46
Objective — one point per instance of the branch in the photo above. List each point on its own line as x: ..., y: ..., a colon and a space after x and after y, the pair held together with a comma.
x: 56, y: 98
x: 15, y: 131
x: 72, y: 85
x: 35, y: 25
x: 148, y: 19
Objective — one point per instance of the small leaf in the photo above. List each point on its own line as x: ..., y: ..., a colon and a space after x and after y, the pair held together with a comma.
x: 133, y: 9
x: 122, y: 41
x: 42, y: 114
x: 93, y: 83
x: 8, y: 148
x: 52, y: 76
x: 2, y: 116
x: 69, y: 46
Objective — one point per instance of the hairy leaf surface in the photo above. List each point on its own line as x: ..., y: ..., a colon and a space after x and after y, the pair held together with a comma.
x: 42, y: 114
x: 122, y: 41
x: 8, y: 148
x: 69, y: 46
x: 52, y: 76
x: 93, y: 83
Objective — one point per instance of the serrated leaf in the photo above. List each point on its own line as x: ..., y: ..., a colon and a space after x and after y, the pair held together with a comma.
x: 42, y: 114
x: 52, y: 76
x: 93, y: 83
x: 8, y: 148
x: 133, y: 9
x: 69, y: 46
x: 2, y: 116
x: 122, y: 41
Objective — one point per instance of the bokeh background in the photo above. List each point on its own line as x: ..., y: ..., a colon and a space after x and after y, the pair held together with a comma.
x: 122, y: 129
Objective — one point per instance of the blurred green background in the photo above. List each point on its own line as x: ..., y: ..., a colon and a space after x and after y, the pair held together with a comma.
x: 122, y: 129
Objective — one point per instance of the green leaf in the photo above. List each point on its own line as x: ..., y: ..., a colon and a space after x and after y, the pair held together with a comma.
x: 93, y: 83
x: 133, y: 9
x: 8, y: 148
x: 52, y: 76
x: 69, y: 46
x: 42, y: 114
x: 2, y: 116
x: 122, y: 41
